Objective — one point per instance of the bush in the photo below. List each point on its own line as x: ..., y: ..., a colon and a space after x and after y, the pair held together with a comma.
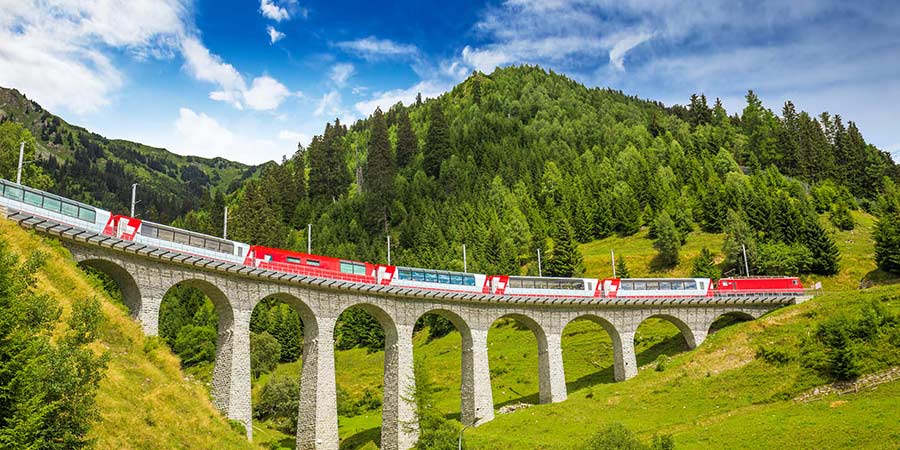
x: 196, y: 345
x: 662, y: 363
x: 279, y: 401
x: 265, y: 352
x: 773, y: 355
x: 782, y: 259
x: 841, y: 218
x: 614, y: 437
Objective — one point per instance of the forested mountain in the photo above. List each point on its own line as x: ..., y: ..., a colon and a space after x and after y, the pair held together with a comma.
x: 91, y: 168
x: 525, y: 159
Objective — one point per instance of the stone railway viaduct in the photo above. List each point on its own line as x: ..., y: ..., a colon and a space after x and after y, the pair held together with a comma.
x: 144, y: 275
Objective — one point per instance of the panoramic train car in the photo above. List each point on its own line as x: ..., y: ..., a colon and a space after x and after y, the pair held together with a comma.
x: 444, y: 280
x: 657, y: 287
x: 176, y: 239
x: 310, y: 265
x: 544, y: 286
x: 760, y: 285
x: 52, y: 207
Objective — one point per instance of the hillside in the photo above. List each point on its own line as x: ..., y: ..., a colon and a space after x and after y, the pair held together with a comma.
x: 144, y: 400
x: 88, y: 167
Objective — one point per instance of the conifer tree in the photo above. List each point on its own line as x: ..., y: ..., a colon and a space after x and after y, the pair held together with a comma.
x: 737, y: 234
x: 407, y: 142
x: 437, y: 143
x: 380, y: 172
x: 329, y: 177
x: 566, y: 260
x: 704, y: 265
x: 668, y: 240
x: 825, y: 253
x: 887, y: 242
x: 622, y: 268
x: 256, y: 221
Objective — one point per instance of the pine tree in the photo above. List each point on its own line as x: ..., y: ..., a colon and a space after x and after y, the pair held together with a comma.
x: 380, y: 173
x: 407, y: 142
x: 329, y: 177
x: 256, y: 221
x: 668, y: 240
x: 622, y: 268
x: 566, y: 260
x: 825, y: 252
x: 437, y: 143
x: 887, y: 242
x: 704, y: 265
x: 737, y: 234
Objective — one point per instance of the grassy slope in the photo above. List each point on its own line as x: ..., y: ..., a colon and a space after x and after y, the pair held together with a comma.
x: 721, y: 396
x: 144, y: 401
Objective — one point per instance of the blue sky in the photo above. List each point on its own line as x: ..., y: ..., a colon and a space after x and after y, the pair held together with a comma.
x: 247, y: 79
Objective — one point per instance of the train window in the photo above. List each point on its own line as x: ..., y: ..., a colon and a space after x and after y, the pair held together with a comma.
x: 578, y: 285
x: 69, y: 209
x: 651, y: 285
x: 33, y: 199
x: 404, y: 274
x: 88, y: 215
x: 359, y: 269
x: 626, y: 286
x: 291, y: 259
x: 418, y: 276
x: 640, y: 286
x: 456, y: 279
x: 165, y: 235
x: 702, y: 285
x: 148, y: 230
x: 13, y: 193
x: 794, y: 282
x: 313, y: 262
x: 469, y: 280
x: 590, y: 286
x: 52, y: 204
x: 431, y: 277
x: 213, y: 245
x: 346, y: 267
x: 229, y: 248
x: 691, y: 285
x: 443, y: 278
x: 182, y: 238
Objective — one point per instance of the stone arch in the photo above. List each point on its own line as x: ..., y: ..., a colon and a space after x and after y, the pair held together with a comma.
x: 620, y: 363
x: 691, y: 337
x: 231, y: 369
x: 551, y: 380
x: 399, y: 429
x: 476, y: 405
x: 731, y: 317
x: 131, y: 292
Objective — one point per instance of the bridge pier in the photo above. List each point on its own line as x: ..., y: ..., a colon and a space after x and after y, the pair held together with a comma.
x: 231, y: 373
x: 552, y: 376
x: 317, y: 423
x: 399, y: 426
x: 477, y: 398
x: 624, y: 360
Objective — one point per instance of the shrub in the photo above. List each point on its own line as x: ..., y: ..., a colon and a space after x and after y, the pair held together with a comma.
x: 196, y: 345
x: 662, y: 363
x: 279, y: 401
x: 265, y: 352
x: 614, y: 437
x: 773, y: 355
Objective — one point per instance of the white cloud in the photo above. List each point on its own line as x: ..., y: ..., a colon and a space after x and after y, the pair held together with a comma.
x: 55, y: 54
x: 270, y: 10
x: 274, y: 35
x: 372, y: 48
x: 624, y: 43
x: 265, y: 93
x: 206, y: 66
x: 201, y: 135
x: 428, y: 89
x: 340, y: 73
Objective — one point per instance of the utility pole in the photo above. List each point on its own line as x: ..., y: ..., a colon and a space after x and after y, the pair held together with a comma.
x: 21, y: 162
x: 389, y: 249
x: 225, y: 226
x: 465, y: 264
x: 613, y: 256
x: 746, y: 265
x: 133, y: 197
x: 539, y: 263
x: 309, y: 238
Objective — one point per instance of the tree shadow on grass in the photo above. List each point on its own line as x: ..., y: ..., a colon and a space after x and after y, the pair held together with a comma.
x: 363, y: 439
